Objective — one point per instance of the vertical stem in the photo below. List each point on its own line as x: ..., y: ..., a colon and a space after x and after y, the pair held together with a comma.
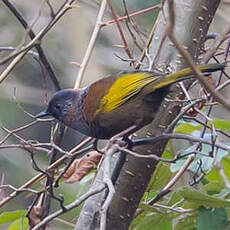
x: 91, y: 44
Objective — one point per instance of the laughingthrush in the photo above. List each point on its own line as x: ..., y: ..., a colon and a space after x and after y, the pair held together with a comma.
x: 117, y: 102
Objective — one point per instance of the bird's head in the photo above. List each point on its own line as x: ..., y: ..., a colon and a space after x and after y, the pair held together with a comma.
x: 59, y: 105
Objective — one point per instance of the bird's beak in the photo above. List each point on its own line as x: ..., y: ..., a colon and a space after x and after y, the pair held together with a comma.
x: 43, y: 114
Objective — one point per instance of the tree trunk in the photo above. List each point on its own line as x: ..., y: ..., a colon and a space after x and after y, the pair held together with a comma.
x: 192, y: 20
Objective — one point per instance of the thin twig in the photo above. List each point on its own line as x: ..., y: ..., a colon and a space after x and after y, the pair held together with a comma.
x: 217, y: 43
x: 16, y: 130
x: 7, y: 186
x: 69, y: 207
x: 181, y: 114
x: 34, y: 54
x: 107, y: 180
x: 36, y: 40
x: 91, y: 44
x: 40, y: 176
x: 179, y: 136
x: 173, y: 181
x: 135, y: 28
x: 197, y: 73
x: 173, y: 209
x: 139, y: 12
x: 126, y: 48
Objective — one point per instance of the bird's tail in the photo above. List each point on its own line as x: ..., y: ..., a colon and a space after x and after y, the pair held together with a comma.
x: 187, y: 73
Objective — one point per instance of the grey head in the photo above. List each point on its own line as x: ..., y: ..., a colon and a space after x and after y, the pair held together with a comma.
x: 67, y: 106
x: 59, y: 105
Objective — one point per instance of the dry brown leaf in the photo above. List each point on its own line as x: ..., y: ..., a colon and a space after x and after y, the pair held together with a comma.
x: 35, y: 216
x: 81, y: 167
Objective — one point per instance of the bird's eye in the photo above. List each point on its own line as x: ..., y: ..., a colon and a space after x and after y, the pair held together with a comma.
x: 58, y: 106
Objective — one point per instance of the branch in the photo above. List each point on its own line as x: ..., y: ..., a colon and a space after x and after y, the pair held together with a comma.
x: 197, y: 73
x: 179, y: 136
x: 139, y: 12
x: 32, y: 35
x: 40, y: 176
x: 69, y: 207
x: 91, y: 44
x: 36, y: 40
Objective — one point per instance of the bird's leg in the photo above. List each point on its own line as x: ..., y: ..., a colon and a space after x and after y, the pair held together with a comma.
x: 125, y: 142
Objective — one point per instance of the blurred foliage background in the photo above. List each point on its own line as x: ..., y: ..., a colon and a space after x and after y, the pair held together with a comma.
x: 65, y: 43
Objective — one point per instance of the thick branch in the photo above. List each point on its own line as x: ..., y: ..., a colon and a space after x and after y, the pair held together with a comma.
x: 136, y: 173
x: 192, y: 19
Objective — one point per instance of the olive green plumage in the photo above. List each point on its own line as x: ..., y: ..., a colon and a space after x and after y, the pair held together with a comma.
x: 116, y: 102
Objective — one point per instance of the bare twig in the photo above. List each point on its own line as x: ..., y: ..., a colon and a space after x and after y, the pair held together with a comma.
x: 126, y: 48
x: 173, y: 181
x: 155, y: 157
x: 217, y: 43
x: 181, y: 114
x: 139, y: 12
x: 180, y: 136
x: 36, y: 40
x: 16, y: 130
x: 173, y: 209
x: 107, y: 180
x: 91, y: 44
x: 69, y: 207
x: 135, y: 28
x: 40, y: 176
x: 197, y: 73
x: 35, y: 55
x: 7, y: 186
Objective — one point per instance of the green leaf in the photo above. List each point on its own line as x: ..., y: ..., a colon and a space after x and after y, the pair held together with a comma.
x: 6, y: 217
x: 187, y: 128
x: 169, y: 150
x: 214, y: 187
x: 221, y: 124
x: 197, y: 199
x: 149, y: 195
x: 160, y: 177
x: 225, y: 193
x: 206, y: 161
x: 226, y: 165
x: 179, y: 163
x: 187, y: 223
x: 175, y: 197
x: 212, y: 219
x: 147, y: 220
x: 168, y: 154
x: 16, y: 225
x: 214, y: 175
x: 137, y: 220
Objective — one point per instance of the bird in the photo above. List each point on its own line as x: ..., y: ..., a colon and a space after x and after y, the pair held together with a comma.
x: 117, y: 102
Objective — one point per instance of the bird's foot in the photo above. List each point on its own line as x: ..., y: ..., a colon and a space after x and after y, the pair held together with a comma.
x: 123, y: 143
x: 122, y: 138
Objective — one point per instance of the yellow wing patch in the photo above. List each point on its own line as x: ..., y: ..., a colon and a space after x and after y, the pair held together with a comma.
x: 124, y: 88
x: 130, y: 84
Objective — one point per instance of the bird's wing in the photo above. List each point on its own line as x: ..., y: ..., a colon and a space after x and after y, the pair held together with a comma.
x: 123, y: 88
x: 130, y: 84
x: 111, y: 92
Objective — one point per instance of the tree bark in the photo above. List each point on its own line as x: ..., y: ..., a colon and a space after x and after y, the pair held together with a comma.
x: 192, y: 20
